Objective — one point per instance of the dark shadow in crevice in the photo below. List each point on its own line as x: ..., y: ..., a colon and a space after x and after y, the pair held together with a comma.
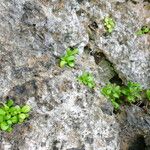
x: 138, y: 143
x: 116, y: 79
x: 93, y: 26
x: 98, y: 56
x: 88, y: 49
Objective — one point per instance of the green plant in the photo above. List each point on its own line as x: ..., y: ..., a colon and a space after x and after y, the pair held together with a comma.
x: 87, y: 79
x: 113, y: 93
x: 10, y: 115
x: 69, y: 58
x: 132, y: 92
x: 143, y: 30
x: 116, y: 94
x: 109, y: 24
x: 148, y: 94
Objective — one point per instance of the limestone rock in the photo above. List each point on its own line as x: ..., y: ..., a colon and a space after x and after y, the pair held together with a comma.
x: 65, y: 114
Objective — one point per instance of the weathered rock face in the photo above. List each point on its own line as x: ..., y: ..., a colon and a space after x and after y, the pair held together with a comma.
x: 135, y: 128
x: 67, y: 115
x: 129, y: 53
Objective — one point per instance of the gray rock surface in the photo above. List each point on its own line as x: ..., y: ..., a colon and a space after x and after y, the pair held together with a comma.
x: 129, y: 53
x: 135, y: 128
x: 67, y: 115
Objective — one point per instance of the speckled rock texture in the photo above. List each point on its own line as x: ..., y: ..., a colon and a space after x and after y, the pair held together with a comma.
x: 65, y: 114
x: 135, y: 128
x: 129, y: 53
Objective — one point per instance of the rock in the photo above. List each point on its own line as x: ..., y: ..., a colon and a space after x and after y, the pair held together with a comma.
x: 129, y: 53
x: 67, y: 115
x: 138, y: 119
x: 135, y: 129
x: 147, y: 141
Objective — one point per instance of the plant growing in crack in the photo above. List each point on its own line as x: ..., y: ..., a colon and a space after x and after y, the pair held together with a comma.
x: 113, y: 93
x: 109, y: 24
x: 87, y: 79
x: 69, y: 58
x: 10, y: 115
x: 118, y: 95
x: 132, y: 92
x: 143, y: 30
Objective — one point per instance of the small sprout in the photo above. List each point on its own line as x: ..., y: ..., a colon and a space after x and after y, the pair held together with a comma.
x: 113, y: 93
x: 9, y: 103
x: 69, y: 58
x: 25, y: 109
x: 4, y: 126
x: 10, y: 115
x: 148, y: 94
x: 109, y: 24
x: 87, y: 79
x: 132, y: 92
x: 143, y: 30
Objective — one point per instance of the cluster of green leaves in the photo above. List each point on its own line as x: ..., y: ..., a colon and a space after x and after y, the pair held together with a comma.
x: 109, y: 24
x: 87, y: 79
x: 69, y: 58
x: 10, y: 115
x: 143, y: 30
x: 132, y: 92
x: 113, y: 93
x: 117, y: 95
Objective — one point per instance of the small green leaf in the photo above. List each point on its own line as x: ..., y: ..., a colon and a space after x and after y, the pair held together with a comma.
x: 109, y: 26
x: 70, y: 58
x: 4, y: 126
x: 2, y: 112
x: 139, y: 32
x: 116, y: 95
x: 13, y: 111
x: 9, y: 122
x: 18, y: 109
x: 62, y: 63
x: 7, y: 117
x: 10, y: 103
x: 108, y: 91
x: 14, y: 119
x: 71, y: 64
x: 106, y: 19
x: 116, y: 105
x: 87, y: 79
x: 68, y: 52
x: 75, y: 51
x: 90, y: 85
x: 27, y: 115
x: 110, y: 30
x: 6, y: 108
x: 22, y: 116
x: 25, y: 109
x: 1, y: 118
x: 9, y: 129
